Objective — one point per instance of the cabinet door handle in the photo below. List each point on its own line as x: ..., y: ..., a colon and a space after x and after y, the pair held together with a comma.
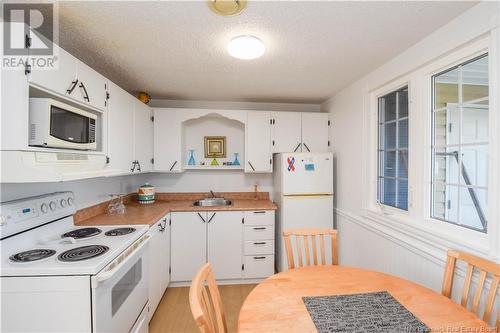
x: 85, y: 91
x: 259, y: 243
x: 309, y: 150
x: 251, y: 166
x: 296, y: 148
x: 259, y: 228
x: 72, y: 86
x: 259, y: 258
x: 138, y: 166
x: 172, y: 166
x: 201, y: 217
x: 211, y: 218
x: 260, y: 212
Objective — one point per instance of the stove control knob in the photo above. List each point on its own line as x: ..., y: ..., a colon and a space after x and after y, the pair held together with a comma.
x: 52, y: 205
x: 44, y: 208
x: 63, y: 203
x: 70, y: 201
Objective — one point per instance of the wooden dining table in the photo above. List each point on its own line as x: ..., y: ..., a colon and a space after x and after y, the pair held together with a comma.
x: 276, y: 305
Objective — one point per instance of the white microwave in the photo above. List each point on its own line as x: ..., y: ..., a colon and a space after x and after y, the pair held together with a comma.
x: 54, y: 124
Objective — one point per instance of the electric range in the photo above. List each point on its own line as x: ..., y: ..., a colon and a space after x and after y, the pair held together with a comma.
x: 70, y: 278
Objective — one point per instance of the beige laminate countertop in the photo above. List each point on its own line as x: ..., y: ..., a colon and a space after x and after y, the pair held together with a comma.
x: 149, y: 214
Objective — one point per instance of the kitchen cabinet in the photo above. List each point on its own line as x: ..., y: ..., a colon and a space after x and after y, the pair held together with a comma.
x: 14, y: 119
x: 258, y: 236
x: 238, y: 245
x: 258, y: 155
x: 91, y: 86
x: 159, y: 262
x: 62, y: 80
x: 286, y: 131
x: 167, y: 141
x: 188, y: 244
x: 315, y: 132
x: 72, y: 79
x: 224, y: 244
x: 120, y: 129
x: 143, y: 136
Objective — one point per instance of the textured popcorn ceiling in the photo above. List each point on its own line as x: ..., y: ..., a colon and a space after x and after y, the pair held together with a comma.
x: 177, y: 50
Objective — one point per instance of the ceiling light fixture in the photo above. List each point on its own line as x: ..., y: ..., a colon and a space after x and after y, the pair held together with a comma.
x: 246, y: 47
x: 227, y: 7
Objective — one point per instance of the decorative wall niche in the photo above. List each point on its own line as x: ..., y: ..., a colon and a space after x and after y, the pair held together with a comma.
x: 194, y: 132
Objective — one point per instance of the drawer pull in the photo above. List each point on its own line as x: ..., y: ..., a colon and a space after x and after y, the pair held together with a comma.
x: 259, y: 212
x: 259, y: 228
x: 259, y: 243
x: 259, y: 258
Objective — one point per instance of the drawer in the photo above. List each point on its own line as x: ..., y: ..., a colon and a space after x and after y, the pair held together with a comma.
x: 258, y: 247
x: 259, y: 217
x: 258, y: 266
x: 258, y: 232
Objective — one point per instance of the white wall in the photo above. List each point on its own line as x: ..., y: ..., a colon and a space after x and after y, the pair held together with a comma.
x: 206, y: 180
x: 87, y: 192
x: 381, y: 244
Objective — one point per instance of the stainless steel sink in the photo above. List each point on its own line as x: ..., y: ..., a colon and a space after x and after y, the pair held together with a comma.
x: 212, y: 202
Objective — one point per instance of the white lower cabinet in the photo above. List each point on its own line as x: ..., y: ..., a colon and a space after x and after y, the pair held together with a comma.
x: 224, y: 244
x: 258, y: 237
x: 238, y: 245
x: 188, y: 244
x: 159, y: 262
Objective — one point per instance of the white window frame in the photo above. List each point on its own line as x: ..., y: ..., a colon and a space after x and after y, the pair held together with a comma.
x: 417, y: 222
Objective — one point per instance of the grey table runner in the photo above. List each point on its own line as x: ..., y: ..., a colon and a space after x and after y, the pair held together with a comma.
x: 368, y: 312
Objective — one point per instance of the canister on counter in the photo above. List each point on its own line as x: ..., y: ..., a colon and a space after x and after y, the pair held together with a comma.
x: 146, y: 194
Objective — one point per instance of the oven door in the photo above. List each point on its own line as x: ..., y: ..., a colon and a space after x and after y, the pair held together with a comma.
x: 120, y: 291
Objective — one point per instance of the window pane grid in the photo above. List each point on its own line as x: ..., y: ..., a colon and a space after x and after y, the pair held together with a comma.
x: 460, y: 147
x: 392, y: 157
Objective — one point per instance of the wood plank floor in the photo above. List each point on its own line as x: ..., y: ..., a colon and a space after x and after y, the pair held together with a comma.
x: 173, y: 314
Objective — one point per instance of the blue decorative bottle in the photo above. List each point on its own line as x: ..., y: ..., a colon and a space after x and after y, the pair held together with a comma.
x: 191, y: 157
x: 236, y: 162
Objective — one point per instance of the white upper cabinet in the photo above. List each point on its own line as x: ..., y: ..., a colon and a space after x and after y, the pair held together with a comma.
x: 120, y: 129
x: 258, y: 154
x: 167, y: 141
x: 315, y: 132
x: 63, y: 80
x: 72, y: 79
x: 224, y: 244
x: 286, y: 130
x: 143, y: 136
x: 91, y: 87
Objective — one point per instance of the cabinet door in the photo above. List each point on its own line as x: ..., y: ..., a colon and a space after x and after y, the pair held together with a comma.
x: 91, y: 86
x: 225, y: 240
x: 166, y: 253
x: 167, y: 141
x: 258, y: 156
x: 61, y: 80
x: 120, y: 129
x: 188, y: 245
x: 286, y: 131
x: 155, y: 264
x: 143, y: 136
x: 315, y: 132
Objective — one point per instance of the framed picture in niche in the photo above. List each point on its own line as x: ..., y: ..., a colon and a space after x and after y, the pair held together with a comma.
x: 215, y: 147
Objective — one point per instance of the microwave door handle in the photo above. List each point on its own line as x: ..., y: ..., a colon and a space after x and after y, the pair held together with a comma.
x: 72, y: 86
x: 101, y: 277
x: 85, y: 91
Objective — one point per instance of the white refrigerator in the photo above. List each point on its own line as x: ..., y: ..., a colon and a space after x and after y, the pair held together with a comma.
x: 304, y: 195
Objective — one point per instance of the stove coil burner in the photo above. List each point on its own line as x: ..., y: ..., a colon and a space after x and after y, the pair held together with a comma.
x: 32, y: 255
x: 119, y: 231
x: 82, y: 233
x: 83, y: 253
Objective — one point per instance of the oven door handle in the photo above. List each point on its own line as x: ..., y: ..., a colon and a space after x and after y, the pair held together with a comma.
x: 106, y: 275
